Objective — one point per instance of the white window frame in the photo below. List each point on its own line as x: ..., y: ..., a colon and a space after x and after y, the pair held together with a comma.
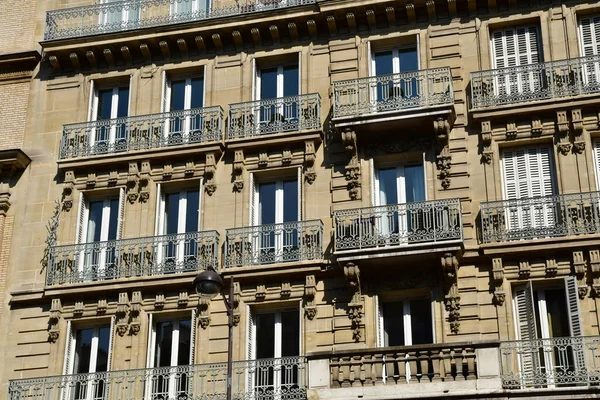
x: 176, y: 5
x: 591, y: 73
x: 114, y: 107
x: 125, y: 13
x: 187, y: 101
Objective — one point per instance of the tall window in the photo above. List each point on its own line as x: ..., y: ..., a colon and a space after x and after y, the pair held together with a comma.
x: 181, y: 97
x: 274, y: 87
x: 274, y: 335
x: 99, y: 225
x: 106, y: 105
x: 528, y: 174
x: 117, y: 16
x: 546, y: 310
x: 517, y: 47
x: 178, y: 213
x: 171, y: 344
x: 88, y: 351
x: 186, y: 10
x: 589, y: 42
x: 396, y: 220
x: 389, y: 88
x: 276, y: 208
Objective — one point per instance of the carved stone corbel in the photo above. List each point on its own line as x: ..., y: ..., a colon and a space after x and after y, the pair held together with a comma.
x: 443, y: 164
x: 263, y: 159
x: 286, y: 290
x: 144, y: 180
x: 5, y: 193
x: 67, y: 195
x: 486, y: 142
x: 355, y: 306
x: 91, y: 180
x: 210, y: 185
x: 238, y: 170
x: 237, y: 298
x: 536, y: 127
x: 352, y: 169
x: 183, y: 298
x: 261, y: 292
x: 286, y: 156
x: 203, y: 313
x: 159, y: 300
x: 452, y: 303
x: 524, y: 269
x: 562, y: 132
x: 580, y: 267
x: 55, y: 314
x: 442, y: 127
x: 551, y: 267
x: 134, y: 313
x: 577, y: 122
x: 595, y: 272
x: 133, y: 177
x: 310, y: 291
x: 167, y: 172
x: 121, y: 314
x: 78, y: 309
x: 511, y: 130
x: 498, y: 280
x: 309, y: 161
x: 102, y: 306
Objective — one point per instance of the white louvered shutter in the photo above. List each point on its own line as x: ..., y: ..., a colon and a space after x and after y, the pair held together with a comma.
x: 121, y: 211
x: 93, y: 104
x: 160, y: 210
x: 527, y: 330
x: 165, y: 93
x: 597, y: 163
x: 193, y: 338
x: 69, y: 351
x: 200, y: 197
x: 150, y: 356
x: 250, y: 335
x: 299, y: 73
x: 255, y: 81
x: 110, y: 342
x: 82, y: 217
x: 575, y: 325
x: 300, y: 186
x: 589, y: 41
x: 379, y: 322
x: 253, y: 188
x: 374, y: 185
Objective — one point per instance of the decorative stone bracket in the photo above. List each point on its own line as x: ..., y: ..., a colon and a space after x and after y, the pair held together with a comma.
x: 498, y: 280
x: 137, y: 182
x: 210, y: 185
x: 238, y: 170
x: 442, y: 127
x: 134, y: 312
x: 203, y: 313
x: 580, y: 268
x: 352, y: 170
x: 450, y: 268
x: 310, y: 291
x: 355, y: 306
x: 67, y: 195
x: 121, y: 314
x: 237, y: 298
x: 309, y: 161
x: 595, y: 271
x: 55, y: 314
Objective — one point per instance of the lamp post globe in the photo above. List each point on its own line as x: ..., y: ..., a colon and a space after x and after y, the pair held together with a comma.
x: 208, y: 283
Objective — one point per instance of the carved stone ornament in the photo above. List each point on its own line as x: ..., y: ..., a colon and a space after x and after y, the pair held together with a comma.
x: 355, y: 313
x: 452, y: 303
x: 51, y: 235
x: 237, y: 298
x: 203, y: 314
x: 595, y: 271
x: 511, y: 130
x: 78, y: 309
x: 577, y: 122
x: 286, y: 290
x: 159, y: 300
x: 524, y: 269
x: 133, y: 176
x: 310, y: 291
x: 144, y: 181
x: 134, y: 312
x: 443, y: 163
x: 551, y: 267
x: 441, y: 127
x: 580, y: 268
x: 261, y: 292
x: 67, y: 196
x: 309, y: 161
x: 183, y: 299
x: 564, y: 148
x: 579, y: 147
x: 210, y: 184
x: 238, y: 170
x: 498, y: 280
x: 55, y: 314
x: 121, y: 314
x: 102, y: 306
x: 449, y: 266
x: 352, y: 169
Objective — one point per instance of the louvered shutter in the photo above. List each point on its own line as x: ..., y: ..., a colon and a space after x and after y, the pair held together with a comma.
x: 250, y: 334
x: 121, y: 212
x: 110, y: 342
x: 254, y: 217
x: 300, y: 194
x: 68, y: 361
x: 82, y: 217
x: 200, y: 197
x: 589, y: 39
x: 527, y: 329
x: 299, y: 73
x: 575, y: 325
x: 374, y: 184
x: 193, y: 338
x: 597, y: 163
x: 93, y: 104
x: 165, y: 93
x: 379, y: 322
x: 255, y: 81
x: 150, y: 357
x: 160, y: 210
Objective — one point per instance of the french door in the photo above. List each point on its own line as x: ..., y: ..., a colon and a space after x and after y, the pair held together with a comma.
x: 120, y: 15
x: 181, y: 96
x: 389, y: 87
x: 273, y: 84
x: 110, y: 133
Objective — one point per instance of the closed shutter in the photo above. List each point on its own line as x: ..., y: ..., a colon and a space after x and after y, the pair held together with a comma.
x: 527, y: 330
x: 193, y: 338
x: 121, y: 212
x: 575, y: 325
x: 110, y: 342
x: 589, y: 35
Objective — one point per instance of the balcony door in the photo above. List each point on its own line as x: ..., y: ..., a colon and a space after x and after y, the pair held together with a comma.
x: 87, y: 358
x: 178, y: 219
x: 549, y: 310
x: 108, y: 108
x: 395, y: 220
x: 276, y: 212
x: 170, y: 353
x: 188, y: 10
x: 181, y: 97
x: 389, y: 90
x: 589, y: 43
x: 512, y: 50
x: 100, y: 223
x: 528, y: 176
x: 274, y: 345
x: 273, y: 84
x: 118, y: 16
x: 405, y: 322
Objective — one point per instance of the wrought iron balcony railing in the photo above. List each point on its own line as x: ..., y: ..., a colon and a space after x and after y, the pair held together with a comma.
x: 527, y: 83
x: 540, y: 217
x: 435, y: 363
x: 144, y: 132
x: 274, y: 243
x: 273, y: 116
x: 549, y: 363
x: 265, y: 379
x: 147, y: 256
x: 127, y: 15
x: 407, y: 224
x: 395, y: 92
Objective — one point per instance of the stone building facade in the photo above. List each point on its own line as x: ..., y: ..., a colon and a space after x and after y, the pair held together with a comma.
x: 403, y: 194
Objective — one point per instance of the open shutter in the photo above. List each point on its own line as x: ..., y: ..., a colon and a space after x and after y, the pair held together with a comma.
x: 93, y: 104
x: 160, y: 210
x: 253, y: 200
x: 374, y: 183
x: 151, y: 337
x: 575, y: 325
x: 200, y: 197
x: 379, y: 322
x: 165, y: 93
x: 300, y: 194
x: 82, y: 217
x: 193, y: 338
x: 69, y: 351
x: 529, y: 361
x: 121, y: 213
x: 597, y: 162
x: 255, y: 81
x: 130, y: 95
x: 110, y: 342
x: 250, y: 334
x: 299, y: 73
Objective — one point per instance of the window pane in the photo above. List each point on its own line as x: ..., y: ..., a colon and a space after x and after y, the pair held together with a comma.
x: 265, y: 335
x: 268, y: 83
x: 113, y: 219
x: 290, y: 80
x: 414, y: 179
x: 409, y: 60
x: 83, y: 350
x: 556, y: 307
x: 104, y: 104
x: 177, y: 95
x: 95, y: 221
x: 290, y: 201
x: 183, y: 350
x: 172, y: 212
x: 162, y: 352
x: 420, y: 319
x: 123, y: 103
x: 103, y: 349
x: 197, y: 93
x: 383, y: 63
x: 388, y: 189
x: 393, y: 324
x: 266, y: 195
x: 290, y: 333
x: 191, y: 214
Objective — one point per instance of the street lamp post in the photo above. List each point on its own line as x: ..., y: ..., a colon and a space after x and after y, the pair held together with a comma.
x: 208, y: 284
